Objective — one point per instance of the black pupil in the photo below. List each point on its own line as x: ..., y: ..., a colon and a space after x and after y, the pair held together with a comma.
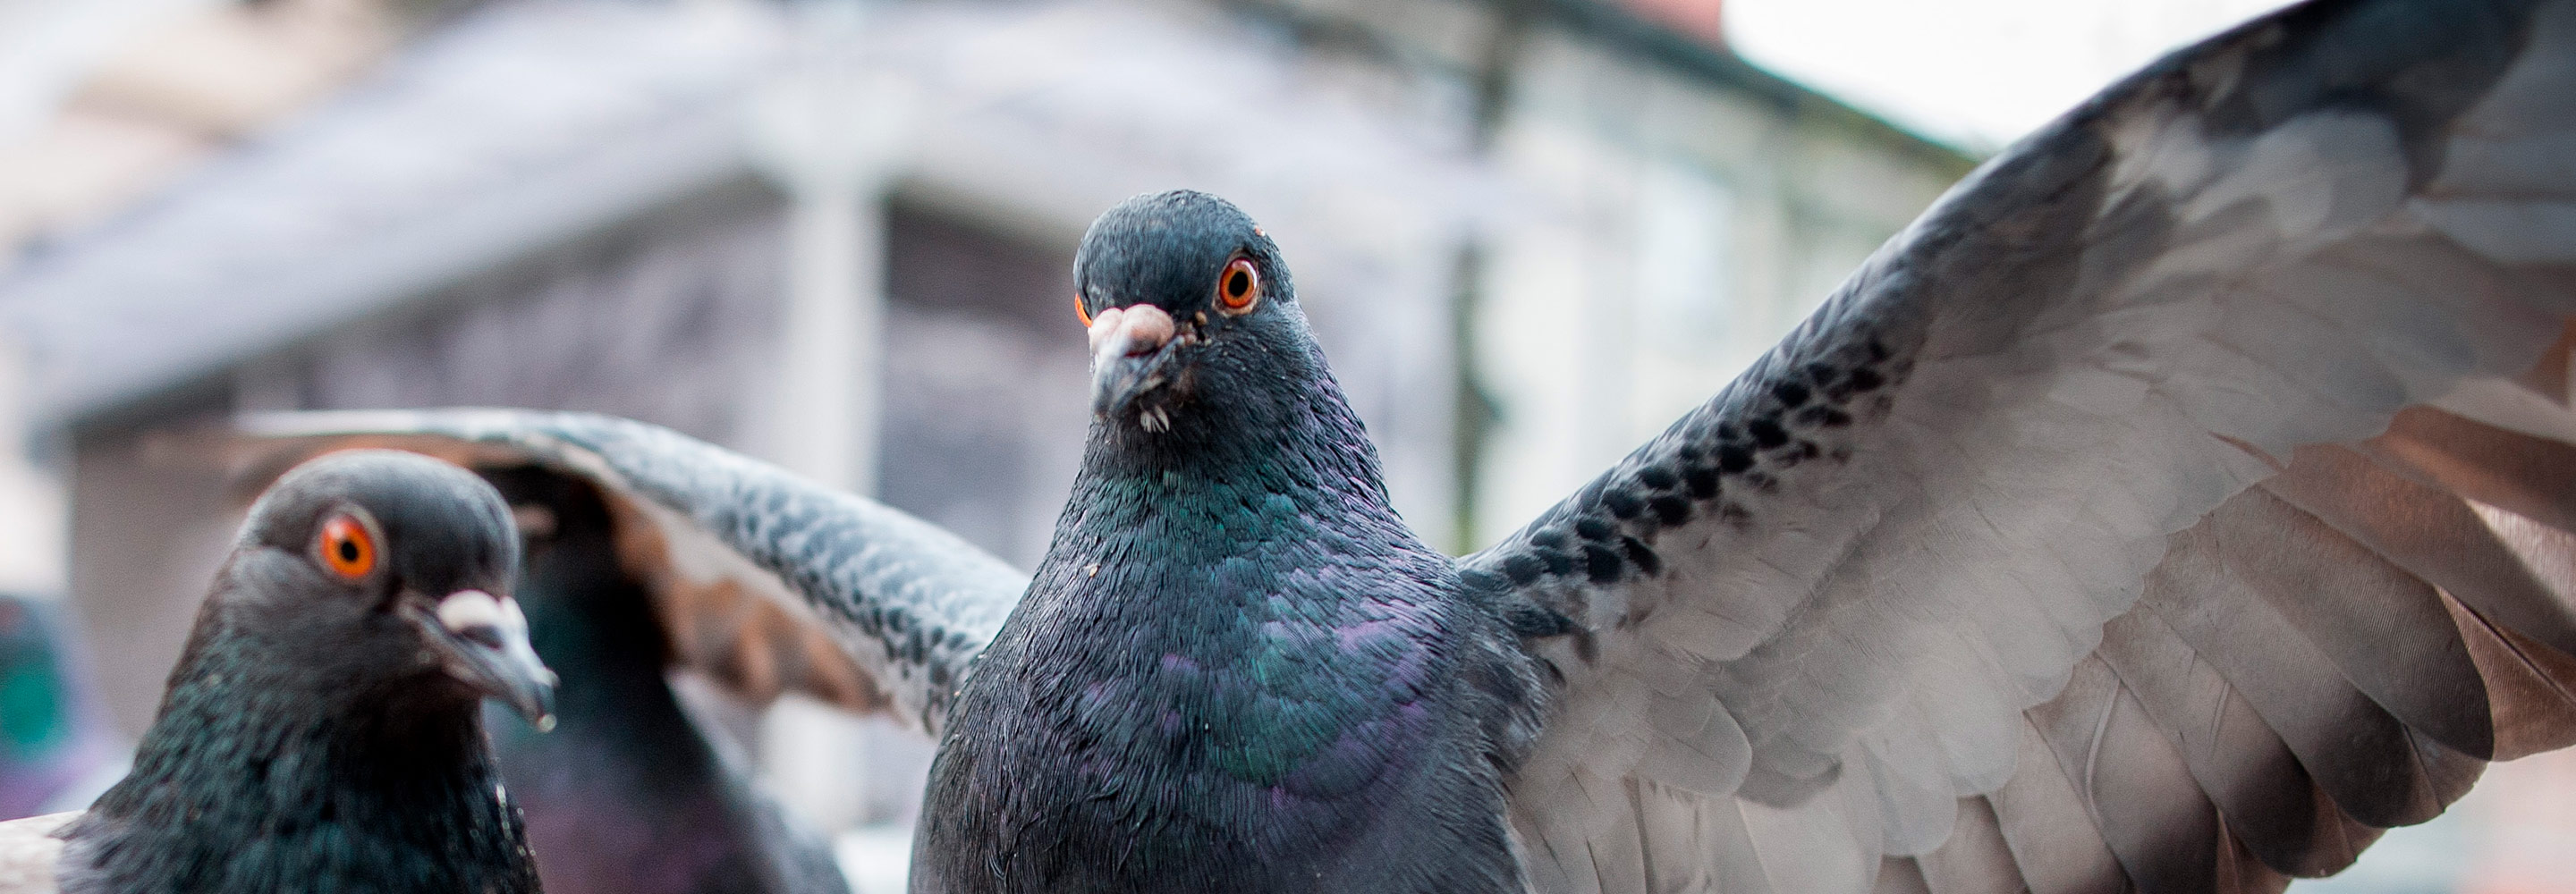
x: 348, y: 550
x: 1238, y: 283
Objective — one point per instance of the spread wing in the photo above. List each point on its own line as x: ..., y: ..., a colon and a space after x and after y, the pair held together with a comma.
x: 2183, y: 499
x: 766, y: 581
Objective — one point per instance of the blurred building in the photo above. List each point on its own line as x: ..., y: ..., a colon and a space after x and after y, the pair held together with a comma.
x: 1529, y: 233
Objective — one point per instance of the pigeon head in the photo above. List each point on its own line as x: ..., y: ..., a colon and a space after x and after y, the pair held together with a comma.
x: 393, y: 570
x: 323, y: 730
x: 1184, y: 295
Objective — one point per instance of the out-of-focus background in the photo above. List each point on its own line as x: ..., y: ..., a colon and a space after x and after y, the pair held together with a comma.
x: 837, y: 235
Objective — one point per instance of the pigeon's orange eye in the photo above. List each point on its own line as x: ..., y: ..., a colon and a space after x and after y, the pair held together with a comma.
x: 1080, y: 312
x: 1239, y: 287
x: 346, y: 548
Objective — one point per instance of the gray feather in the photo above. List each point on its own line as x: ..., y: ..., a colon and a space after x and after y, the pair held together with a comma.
x: 1895, y: 543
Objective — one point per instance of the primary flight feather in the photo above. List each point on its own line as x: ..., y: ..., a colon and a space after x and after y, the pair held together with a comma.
x: 2182, y: 500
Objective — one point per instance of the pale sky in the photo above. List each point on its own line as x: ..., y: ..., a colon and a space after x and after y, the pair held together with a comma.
x: 1975, y: 72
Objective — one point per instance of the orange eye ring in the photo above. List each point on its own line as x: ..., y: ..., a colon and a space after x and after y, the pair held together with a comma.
x: 1239, y: 287
x: 1080, y: 312
x: 346, y: 547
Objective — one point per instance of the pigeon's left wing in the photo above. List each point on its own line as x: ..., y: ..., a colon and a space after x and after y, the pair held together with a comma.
x: 2186, y: 497
x: 766, y: 581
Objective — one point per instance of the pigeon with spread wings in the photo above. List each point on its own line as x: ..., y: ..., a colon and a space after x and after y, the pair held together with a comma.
x: 2182, y: 500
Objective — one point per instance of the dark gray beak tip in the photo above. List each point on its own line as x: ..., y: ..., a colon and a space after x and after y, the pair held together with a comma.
x: 1128, y: 348
x: 1116, y: 381
x: 537, y: 706
x: 488, y: 637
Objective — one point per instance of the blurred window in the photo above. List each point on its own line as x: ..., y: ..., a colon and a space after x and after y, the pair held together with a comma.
x: 1685, y: 296
x: 985, y: 392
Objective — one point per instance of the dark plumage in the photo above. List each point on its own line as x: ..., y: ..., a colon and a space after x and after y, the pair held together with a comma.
x: 1237, y: 669
x: 625, y: 796
x: 322, y: 731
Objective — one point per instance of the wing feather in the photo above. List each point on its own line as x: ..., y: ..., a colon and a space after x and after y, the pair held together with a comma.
x: 2382, y: 629
x: 1826, y: 843
x: 2126, y: 772
x: 2190, y: 487
x: 2499, y: 467
x: 1901, y: 875
x: 1975, y: 859
x: 2350, y: 745
x: 2232, y: 753
x: 2049, y: 827
x: 2434, y: 536
x: 2532, y: 687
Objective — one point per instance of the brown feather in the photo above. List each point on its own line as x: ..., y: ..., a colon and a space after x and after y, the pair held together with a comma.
x: 1975, y: 859
x: 2531, y: 687
x: 2239, y: 872
x: 1900, y: 875
x: 753, y: 647
x: 2350, y: 746
x: 2549, y: 377
x: 2048, y: 828
x: 2434, y: 536
x: 2528, y: 475
x: 2164, y: 832
x: 2239, y: 762
x: 2383, y: 628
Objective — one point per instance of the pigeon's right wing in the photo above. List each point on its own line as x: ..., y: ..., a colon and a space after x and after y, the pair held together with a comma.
x: 766, y: 581
x: 2186, y: 497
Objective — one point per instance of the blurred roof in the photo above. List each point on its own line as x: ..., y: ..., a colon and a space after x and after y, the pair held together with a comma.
x: 530, y: 122
x: 1703, y: 19
x: 486, y: 137
x: 106, y: 101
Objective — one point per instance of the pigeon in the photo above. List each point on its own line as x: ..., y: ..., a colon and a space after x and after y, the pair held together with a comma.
x: 625, y: 795
x: 1230, y: 608
x: 323, y: 728
x: 2181, y: 501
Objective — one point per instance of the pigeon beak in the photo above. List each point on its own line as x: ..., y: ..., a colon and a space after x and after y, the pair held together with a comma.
x: 486, y: 640
x: 1126, y: 355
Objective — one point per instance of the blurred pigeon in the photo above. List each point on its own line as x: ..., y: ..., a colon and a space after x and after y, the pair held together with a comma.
x: 2182, y: 500
x: 55, y: 744
x: 626, y: 796
x: 323, y: 729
